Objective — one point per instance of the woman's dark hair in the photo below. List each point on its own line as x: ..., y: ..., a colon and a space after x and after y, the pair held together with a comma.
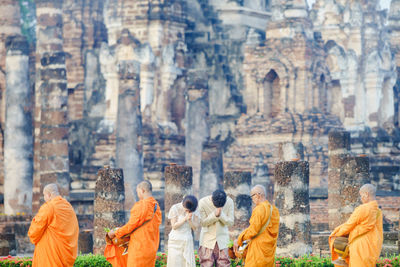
x: 219, y: 198
x: 190, y: 203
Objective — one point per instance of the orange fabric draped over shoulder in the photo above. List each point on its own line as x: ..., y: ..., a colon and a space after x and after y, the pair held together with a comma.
x: 261, y: 250
x: 54, y: 231
x: 144, y: 242
x: 365, y: 231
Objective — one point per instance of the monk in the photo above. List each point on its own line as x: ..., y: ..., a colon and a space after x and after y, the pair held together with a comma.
x: 262, y: 232
x: 365, y: 231
x: 144, y: 236
x: 54, y: 231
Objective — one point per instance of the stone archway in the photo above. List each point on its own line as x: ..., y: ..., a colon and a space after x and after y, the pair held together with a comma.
x: 269, y: 95
x: 322, y: 94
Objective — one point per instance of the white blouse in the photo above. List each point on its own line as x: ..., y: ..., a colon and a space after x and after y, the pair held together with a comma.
x: 184, y: 232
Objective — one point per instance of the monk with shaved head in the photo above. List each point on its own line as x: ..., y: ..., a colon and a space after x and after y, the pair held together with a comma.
x: 364, y: 229
x: 143, y: 228
x: 262, y: 232
x: 54, y: 231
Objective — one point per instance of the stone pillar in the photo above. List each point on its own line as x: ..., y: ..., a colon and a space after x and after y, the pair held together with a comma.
x: 197, y: 130
x: 10, y: 24
x: 129, y: 155
x: 354, y: 174
x: 292, y: 200
x: 178, y: 183
x: 211, y: 171
x: 147, y: 87
x: 108, y: 205
x: 18, y: 141
x: 338, y: 146
x: 51, y: 161
x: 237, y: 186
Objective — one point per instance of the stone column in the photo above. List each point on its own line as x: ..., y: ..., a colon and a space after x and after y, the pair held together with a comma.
x: 51, y: 119
x: 211, y: 170
x: 18, y: 141
x: 197, y: 130
x: 354, y: 173
x: 292, y: 200
x: 338, y: 146
x: 10, y: 24
x: 147, y: 87
x: 178, y: 183
x: 108, y: 205
x: 129, y: 149
x: 237, y: 186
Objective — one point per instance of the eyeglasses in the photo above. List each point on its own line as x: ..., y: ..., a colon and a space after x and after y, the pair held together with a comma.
x: 253, y: 195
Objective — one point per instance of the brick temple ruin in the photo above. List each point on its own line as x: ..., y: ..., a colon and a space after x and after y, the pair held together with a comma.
x: 242, y: 92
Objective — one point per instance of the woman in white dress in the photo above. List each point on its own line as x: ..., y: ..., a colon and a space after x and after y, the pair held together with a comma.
x: 183, y: 218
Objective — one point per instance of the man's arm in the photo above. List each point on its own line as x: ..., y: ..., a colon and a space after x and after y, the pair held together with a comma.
x: 39, y: 223
x: 137, y: 218
x: 228, y: 218
x: 206, y: 219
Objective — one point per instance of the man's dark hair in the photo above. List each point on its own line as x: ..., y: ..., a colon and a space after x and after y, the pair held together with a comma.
x: 190, y: 203
x: 219, y: 198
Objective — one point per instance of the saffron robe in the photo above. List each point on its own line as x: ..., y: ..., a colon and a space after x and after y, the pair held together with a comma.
x: 261, y: 250
x: 54, y: 231
x: 144, y: 241
x: 365, y: 231
x: 114, y: 255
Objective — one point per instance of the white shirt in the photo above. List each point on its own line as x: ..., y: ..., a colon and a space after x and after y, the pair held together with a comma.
x: 215, y: 229
x: 184, y: 232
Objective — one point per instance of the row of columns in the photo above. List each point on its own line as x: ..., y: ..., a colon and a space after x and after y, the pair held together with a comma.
x: 291, y: 193
x: 291, y: 198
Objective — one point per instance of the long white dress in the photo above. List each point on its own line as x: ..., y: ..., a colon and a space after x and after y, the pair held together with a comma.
x: 180, y: 241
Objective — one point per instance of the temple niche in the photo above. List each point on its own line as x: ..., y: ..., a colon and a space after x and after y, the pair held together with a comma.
x: 221, y: 86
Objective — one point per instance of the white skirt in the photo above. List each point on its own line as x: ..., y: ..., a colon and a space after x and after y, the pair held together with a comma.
x: 181, y: 253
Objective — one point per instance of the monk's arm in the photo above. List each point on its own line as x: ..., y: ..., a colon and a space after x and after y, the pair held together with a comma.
x: 227, y: 218
x: 207, y: 219
x: 347, y: 227
x: 138, y: 216
x: 39, y: 223
x: 254, y: 227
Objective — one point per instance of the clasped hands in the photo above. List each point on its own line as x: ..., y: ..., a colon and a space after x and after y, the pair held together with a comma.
x: 188, y: 216
x: 218, y: 212
x: 111, y: 234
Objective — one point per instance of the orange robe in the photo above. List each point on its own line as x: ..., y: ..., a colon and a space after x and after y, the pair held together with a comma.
x: 114, y: 255
x: 144, y: 241
x: 365, y: 231
x: 261, y: 251
x: 54, y: 231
